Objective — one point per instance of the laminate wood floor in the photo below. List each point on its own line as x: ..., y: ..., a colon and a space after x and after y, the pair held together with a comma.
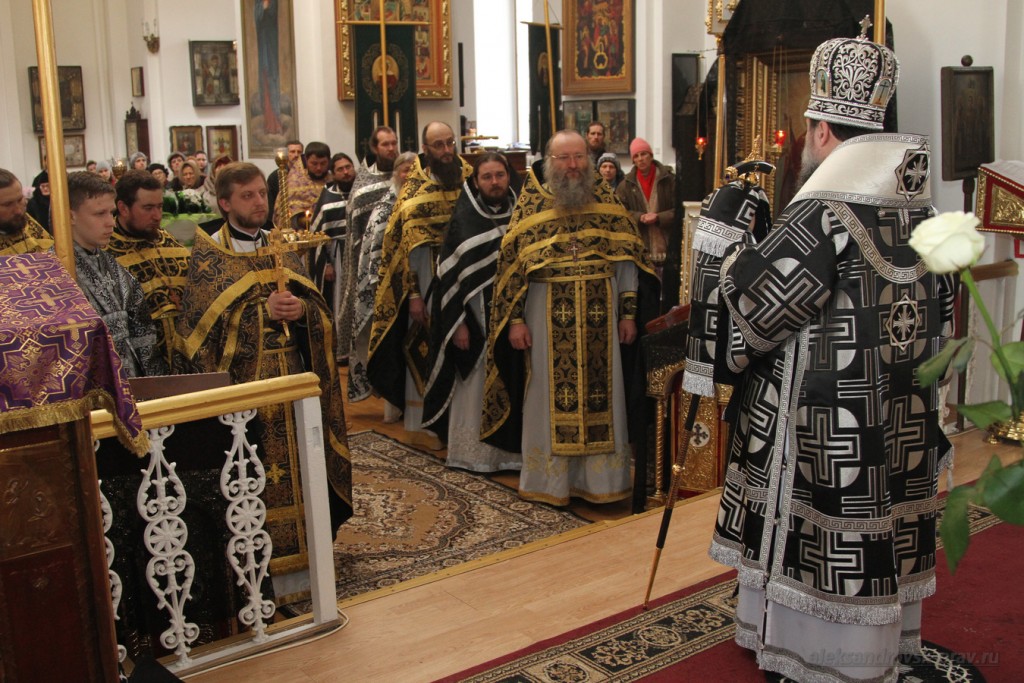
x: 439, y: 627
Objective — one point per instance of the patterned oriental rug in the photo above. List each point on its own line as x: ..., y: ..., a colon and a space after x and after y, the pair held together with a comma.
x: 414, y: 516
x: 688, y: 635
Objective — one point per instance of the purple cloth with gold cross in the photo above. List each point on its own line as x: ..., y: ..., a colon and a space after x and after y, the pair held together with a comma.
x: 57, y: 360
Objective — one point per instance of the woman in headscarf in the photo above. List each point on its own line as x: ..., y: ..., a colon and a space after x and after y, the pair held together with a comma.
x: 209, y: 188
x: 189, y: 176
x: 103, y: 170
x: 39, y: 205
x: 138, y: 161
x: 159, y: 171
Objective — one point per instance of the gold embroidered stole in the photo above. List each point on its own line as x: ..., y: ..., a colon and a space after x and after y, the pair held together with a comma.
x: 33, y: 238
x: 161, y: 268
x: 575, y: 253
x: 419, y: 218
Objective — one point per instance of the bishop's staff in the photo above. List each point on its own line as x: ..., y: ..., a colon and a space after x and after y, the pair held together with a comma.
x: 673, y: 492
x: 750, y: 171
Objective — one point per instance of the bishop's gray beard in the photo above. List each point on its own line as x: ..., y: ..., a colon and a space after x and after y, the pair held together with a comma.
x: 570, y: 193
x: 448, y: 173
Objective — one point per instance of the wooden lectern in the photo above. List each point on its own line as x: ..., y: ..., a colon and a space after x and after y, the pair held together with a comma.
x: 57, y: 363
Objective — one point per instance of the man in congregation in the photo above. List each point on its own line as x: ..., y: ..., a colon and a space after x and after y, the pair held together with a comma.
x: 333, y: 264
x: 595, y: 141
x: 149, y: 253
x: 19, y: 233
x: 234, y: 319
x: 460, y: 306
x: 113, y: 292
x: 408, y: 258
x: 370, y: 186
x: 565, y: 298
x: 305, y: 180
x: 831, y: 495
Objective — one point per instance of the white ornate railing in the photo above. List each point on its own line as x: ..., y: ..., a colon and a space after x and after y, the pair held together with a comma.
x: 161, y: 501
x: 249, y: 547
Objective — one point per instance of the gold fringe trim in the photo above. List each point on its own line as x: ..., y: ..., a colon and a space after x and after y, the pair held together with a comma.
x: 71, y: 410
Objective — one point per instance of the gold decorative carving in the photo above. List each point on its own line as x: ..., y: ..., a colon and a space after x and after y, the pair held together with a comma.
x: 659, y: 380
x: 1007, y: 208
x: 691, y: 212
x: 437, y: 47
x: 700, y: 471
x: 772, y: 91
x: 30, y: 494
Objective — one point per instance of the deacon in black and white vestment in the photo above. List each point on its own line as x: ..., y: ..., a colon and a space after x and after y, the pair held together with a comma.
x: 462, y: 296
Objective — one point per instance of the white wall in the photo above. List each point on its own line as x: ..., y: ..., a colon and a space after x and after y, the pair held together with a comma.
x: 83, y: 37
x: 104, y: 37
x: 495, y: 99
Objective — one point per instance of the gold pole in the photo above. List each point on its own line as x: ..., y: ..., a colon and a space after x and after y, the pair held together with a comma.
x: 880, y: 22
x: 54, y: 134
x: 720, y: 115
x: 551, y: 68
x: 383, y: 64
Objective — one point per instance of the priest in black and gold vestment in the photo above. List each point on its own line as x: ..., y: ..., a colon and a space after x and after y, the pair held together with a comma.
x: 231, y: 320
x: 154, y: 258
x: 19, y: 233
x: 408, y: 257
x: 565, y: 293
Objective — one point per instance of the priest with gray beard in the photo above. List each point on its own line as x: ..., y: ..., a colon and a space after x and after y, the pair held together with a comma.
x: 565, y: 299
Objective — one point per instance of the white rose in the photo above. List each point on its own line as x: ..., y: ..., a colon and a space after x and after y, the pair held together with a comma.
x: 948, y: 243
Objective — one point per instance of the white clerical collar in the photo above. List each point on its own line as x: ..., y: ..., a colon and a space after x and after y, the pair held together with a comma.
x: 483, y: 209
x: 880, y: 169
x: 244, y: 235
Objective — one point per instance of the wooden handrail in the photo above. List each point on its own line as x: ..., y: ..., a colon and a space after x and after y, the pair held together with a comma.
x: 992, y: 271
x: 161, y: 412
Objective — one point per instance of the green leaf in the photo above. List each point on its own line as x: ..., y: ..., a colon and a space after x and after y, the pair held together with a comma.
x: 984, y: 414
x: 963, y: 355
x: 1003, y: 491
x: 955, y: 530
x: 1014, y: 354
x: 935, y: 367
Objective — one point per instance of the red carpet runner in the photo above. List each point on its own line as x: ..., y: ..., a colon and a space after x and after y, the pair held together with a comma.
x: 688, y: 635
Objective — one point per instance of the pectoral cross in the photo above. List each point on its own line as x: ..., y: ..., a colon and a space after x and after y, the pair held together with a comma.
x: 574, y: 247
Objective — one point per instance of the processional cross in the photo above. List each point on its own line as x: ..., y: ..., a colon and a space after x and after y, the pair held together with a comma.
x: 284, y: 238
